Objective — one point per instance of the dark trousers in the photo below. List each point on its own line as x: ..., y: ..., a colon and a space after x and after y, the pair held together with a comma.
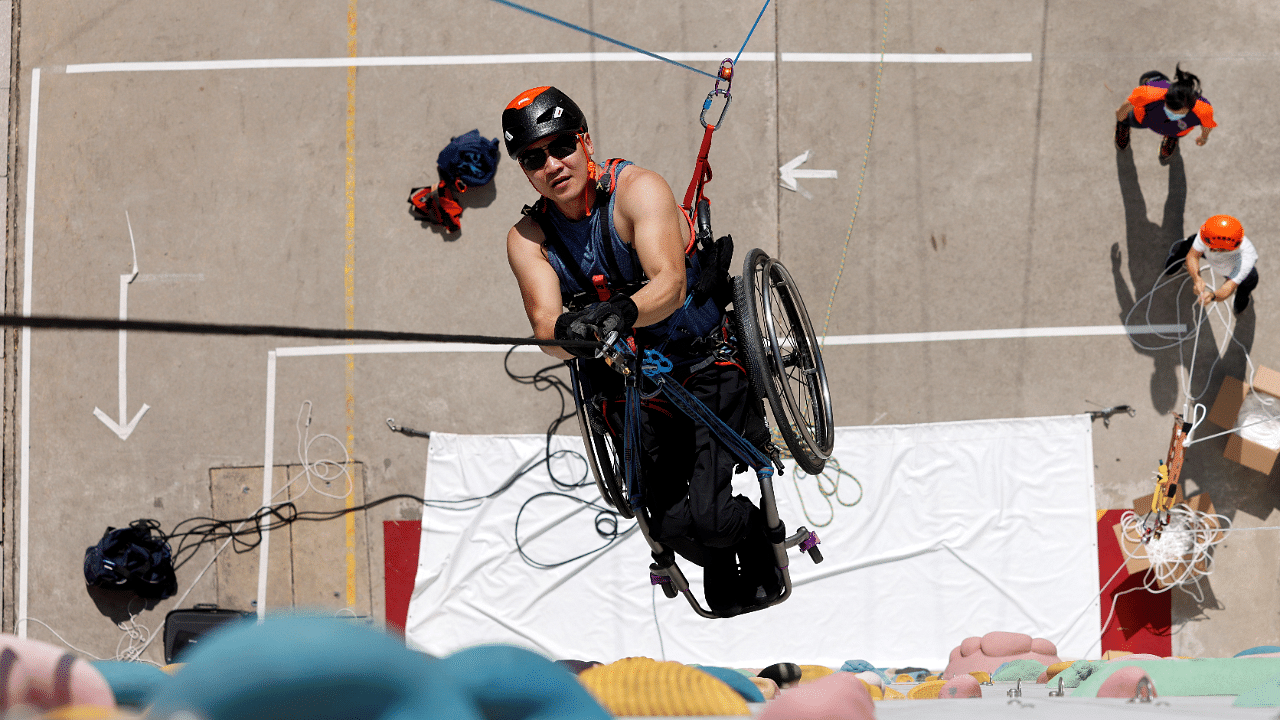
x: 1178, y: 255
x: 687, y: 475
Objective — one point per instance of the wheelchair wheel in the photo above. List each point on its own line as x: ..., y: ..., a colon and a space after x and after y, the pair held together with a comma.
x: 601, y: 456
x: 784, y: 359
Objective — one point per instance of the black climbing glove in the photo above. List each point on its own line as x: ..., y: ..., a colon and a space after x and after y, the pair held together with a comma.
x: 596, y: 321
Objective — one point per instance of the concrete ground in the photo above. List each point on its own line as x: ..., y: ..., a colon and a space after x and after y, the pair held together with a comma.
x: 990, y: 197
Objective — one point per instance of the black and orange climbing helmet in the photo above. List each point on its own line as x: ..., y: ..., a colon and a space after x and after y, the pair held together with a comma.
x: 538, y: 113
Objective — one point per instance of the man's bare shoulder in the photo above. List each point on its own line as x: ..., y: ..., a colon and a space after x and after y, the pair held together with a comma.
x: 642, y: 190
x: 525, y: 239
x: 527, y: 229
x: 634, y: 178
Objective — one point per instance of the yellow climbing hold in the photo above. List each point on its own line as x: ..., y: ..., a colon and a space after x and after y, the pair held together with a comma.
x: 1056, y: 668
x: 904, y: 678
x: 642, y: 686
x: 809, y: 673
x: 931, y: 677
x: 876, y: 692
x: 85, y: 712
x: 927, y: 690
x: 983, y: 676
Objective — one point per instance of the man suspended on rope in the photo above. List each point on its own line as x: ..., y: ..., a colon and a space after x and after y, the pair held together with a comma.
x: 1223, y: 245
x: 606, y: 248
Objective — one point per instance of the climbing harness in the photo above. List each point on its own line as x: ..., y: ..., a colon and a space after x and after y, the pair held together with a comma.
x: 468, y: 161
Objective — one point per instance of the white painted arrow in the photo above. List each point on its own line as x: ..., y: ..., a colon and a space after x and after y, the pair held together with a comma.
x: 125, y: 426
x: 791, y: 171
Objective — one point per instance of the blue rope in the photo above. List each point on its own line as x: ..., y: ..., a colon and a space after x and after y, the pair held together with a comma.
x: 656, y: 368
x: 631, y: 448
x: 606, y: 38
x: 753, y: 29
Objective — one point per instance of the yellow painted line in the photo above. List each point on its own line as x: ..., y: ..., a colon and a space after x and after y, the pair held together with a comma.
x: 349, y: 279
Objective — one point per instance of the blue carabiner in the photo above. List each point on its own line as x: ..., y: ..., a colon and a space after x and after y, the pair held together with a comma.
x: 655, y: 363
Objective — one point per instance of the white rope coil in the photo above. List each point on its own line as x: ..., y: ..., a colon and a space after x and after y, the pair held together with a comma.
x: 1182, y: 555
x: 1259, y: 420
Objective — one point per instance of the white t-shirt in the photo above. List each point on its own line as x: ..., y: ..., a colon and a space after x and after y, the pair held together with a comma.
x: 1232, y: 265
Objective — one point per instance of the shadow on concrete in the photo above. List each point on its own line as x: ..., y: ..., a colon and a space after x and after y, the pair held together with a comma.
x: 1205, y: 359
x: 1186, y: 607
x: 119, y: 605
x: 1147, y: 244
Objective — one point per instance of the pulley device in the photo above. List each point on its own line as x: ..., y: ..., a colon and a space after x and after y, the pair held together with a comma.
x: 1167, y: 492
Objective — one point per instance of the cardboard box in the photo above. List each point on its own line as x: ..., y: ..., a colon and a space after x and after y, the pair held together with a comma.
x: 1136, y: 560
x: 1226, y: 411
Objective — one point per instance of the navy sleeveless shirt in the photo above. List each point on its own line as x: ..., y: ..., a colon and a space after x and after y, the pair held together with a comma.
x: 594, y: 250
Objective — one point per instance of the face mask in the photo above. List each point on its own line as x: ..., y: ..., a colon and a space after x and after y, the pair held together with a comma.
x: 1174, y: 115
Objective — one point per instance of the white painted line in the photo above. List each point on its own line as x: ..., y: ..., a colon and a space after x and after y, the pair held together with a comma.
x: 124, y: 428
x: 402, y: 347
x: 880, y: 339
x: 24, y: 442
x: 533, y: 58
x: 268, y: 466
x: 906, y: 57
x: 168, y: 278
x: 393, y: 348
x: 947, y: 336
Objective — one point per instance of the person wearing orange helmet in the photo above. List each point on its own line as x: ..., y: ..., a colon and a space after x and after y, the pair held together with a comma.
x: 1222, y: 244
x: 606, y: 248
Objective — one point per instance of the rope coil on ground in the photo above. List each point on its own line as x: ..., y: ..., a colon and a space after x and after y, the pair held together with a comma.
x: 1182, y: 555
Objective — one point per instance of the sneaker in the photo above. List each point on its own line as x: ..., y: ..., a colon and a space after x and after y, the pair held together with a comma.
x: 1150, y: 75
x: 1122, y: 135
x: 1167, y: 147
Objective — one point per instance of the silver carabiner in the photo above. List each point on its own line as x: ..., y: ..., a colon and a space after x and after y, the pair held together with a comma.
x: 724, y: 74
x: 706, y: 105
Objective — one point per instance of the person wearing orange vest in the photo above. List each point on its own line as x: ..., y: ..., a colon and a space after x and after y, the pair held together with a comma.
x: 1168, y: 109
x: 1222, y: 244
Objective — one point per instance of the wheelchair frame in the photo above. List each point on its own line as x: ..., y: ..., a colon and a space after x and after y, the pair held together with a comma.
x: 784, y: 365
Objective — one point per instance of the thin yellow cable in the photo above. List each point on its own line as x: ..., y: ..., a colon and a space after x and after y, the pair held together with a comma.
x: 350, y: 292
x: 862, y: 175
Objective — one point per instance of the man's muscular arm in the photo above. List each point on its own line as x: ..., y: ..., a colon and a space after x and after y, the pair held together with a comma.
x: 649, y: 219
x: 539, y: 284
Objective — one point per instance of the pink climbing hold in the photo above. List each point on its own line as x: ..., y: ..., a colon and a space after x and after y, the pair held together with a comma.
x: 839, y: 696
x: 961, y: 686
x: 1128, y: 682
x: 989, y: 652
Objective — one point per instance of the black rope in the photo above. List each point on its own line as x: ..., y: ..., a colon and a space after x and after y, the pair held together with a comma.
x: 191, y: 534
x: 54, y: 322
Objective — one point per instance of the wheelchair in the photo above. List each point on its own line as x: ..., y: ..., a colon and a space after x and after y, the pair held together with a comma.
x: 783, y: 359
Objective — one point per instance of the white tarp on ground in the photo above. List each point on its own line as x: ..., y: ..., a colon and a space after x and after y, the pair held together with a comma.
x: 963, y: 528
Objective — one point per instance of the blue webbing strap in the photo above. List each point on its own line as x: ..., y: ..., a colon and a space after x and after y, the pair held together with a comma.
x: 657, y: 367
x: 631, y: 447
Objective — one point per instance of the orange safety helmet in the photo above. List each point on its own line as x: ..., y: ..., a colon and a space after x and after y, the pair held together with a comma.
x: 1222, y: 232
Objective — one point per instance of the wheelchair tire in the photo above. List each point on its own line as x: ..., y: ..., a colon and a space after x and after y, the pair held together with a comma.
x: 784, y: 359
x: 600, y: 457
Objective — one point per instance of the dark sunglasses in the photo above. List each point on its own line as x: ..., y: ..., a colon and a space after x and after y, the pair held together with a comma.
x: 560, y: 148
